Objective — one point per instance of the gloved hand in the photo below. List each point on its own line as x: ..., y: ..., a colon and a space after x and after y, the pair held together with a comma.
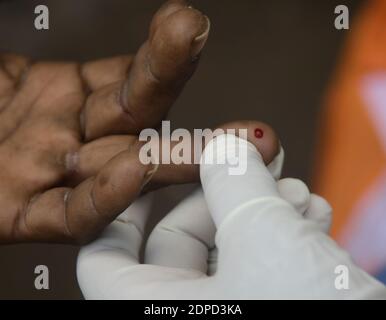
x: 270, y: 242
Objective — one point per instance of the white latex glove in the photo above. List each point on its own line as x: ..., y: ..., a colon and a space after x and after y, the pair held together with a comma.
x: 270, y: 237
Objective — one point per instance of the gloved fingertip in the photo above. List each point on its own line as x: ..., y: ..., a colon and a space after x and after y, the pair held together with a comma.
x: 295, y: 192
x: 320, y: 211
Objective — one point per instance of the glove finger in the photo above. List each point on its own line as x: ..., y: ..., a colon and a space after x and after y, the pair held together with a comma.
x: 319, y: 211
x: 295, y: 192
x: 182, y: 239
x: 311, y: 206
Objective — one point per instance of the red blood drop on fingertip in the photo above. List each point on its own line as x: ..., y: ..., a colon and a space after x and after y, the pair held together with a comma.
x: 259, y: 133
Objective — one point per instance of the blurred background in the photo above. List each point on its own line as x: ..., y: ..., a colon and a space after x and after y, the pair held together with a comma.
x: 268, y: 60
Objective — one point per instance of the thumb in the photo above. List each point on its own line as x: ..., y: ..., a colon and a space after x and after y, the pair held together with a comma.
x: 98, y: 201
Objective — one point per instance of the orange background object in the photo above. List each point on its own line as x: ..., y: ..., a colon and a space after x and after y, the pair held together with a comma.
x: 350, y: 155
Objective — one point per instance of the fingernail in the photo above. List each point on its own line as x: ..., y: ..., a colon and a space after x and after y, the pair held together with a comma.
x: 199, y: 42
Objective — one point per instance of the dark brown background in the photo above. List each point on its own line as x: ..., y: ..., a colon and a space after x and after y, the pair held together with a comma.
x: 268, y: 60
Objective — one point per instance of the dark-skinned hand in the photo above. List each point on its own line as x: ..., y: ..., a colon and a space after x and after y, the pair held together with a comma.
x: 69, y: 132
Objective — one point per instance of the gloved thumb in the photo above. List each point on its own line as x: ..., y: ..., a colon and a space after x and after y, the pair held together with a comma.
x: 233, y: 173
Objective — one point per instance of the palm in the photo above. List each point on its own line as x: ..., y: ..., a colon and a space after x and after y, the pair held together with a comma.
x: 68, y: 161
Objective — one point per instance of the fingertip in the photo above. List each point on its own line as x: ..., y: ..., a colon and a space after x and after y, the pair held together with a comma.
x: 164, y: 12
x: 261, y: 135
x: 267, y: 144
x: 177, y: 42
